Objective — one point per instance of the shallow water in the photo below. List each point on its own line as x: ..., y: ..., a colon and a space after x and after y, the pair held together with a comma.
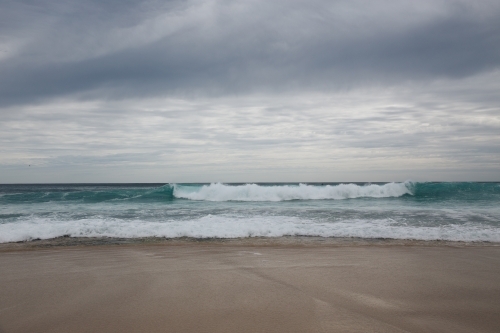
x: 424, y: 211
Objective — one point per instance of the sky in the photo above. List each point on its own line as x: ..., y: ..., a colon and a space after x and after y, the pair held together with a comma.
x: 249, y: 91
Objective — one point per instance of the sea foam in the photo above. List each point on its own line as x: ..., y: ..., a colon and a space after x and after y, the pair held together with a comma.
x: 217, y: 226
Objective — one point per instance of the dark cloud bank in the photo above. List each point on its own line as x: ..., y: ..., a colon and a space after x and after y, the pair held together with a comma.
x: 249, y: 90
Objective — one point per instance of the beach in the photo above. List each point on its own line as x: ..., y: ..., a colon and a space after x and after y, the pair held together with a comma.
x: 249, y: 285
x: 212, y: 166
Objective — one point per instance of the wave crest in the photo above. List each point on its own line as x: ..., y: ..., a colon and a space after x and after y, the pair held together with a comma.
x: 254, y: 192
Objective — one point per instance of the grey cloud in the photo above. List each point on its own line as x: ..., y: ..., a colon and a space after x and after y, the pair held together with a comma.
x: 244, y: 131
x: 241, y: 48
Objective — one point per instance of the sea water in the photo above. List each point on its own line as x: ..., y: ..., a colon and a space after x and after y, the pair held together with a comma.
x: 462, y: 211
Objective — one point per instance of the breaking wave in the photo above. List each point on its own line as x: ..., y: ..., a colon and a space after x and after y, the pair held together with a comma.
x: 254, y: 192
x: 209, y: 192
x: 19, y: 194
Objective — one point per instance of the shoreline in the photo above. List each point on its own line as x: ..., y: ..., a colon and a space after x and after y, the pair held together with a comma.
x: 295, y: 284
x: 284, y: 241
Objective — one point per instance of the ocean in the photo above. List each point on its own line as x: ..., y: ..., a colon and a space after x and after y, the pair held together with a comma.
x: 454, y: 211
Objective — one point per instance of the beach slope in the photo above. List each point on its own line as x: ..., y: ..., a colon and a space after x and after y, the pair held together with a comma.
x: 217, y: 287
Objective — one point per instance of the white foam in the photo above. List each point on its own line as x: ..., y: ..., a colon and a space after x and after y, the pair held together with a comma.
x: 254, y: 192
x: 236, y: 227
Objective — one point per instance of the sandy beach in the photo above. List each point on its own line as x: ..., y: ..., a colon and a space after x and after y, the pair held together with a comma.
x: 248, y: 286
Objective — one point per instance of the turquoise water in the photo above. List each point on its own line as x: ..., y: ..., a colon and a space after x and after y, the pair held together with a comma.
x: 427, y: 211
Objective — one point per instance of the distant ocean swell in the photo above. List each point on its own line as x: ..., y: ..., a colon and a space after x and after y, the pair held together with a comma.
x: 408, y: 210
x: 253, y: 192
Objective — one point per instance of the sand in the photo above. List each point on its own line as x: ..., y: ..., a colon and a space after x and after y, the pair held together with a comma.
x: 250, y: 287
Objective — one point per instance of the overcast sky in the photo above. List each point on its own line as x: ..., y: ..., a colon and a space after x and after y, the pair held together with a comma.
x: 236, y: 91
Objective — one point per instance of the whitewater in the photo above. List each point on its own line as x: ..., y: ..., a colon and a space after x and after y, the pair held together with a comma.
x: 461, y: 211
x: 254, y: 192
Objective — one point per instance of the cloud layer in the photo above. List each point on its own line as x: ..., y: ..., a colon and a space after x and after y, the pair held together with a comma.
x: 249, y: 90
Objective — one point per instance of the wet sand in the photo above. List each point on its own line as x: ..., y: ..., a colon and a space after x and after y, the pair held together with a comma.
x: 250, y: 286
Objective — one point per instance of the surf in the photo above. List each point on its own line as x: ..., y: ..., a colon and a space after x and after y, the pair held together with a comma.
x: 256, y: 192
